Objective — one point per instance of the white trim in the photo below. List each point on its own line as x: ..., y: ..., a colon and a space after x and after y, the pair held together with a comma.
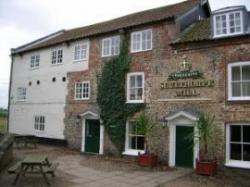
x: 229, y: 162
x: 189, y: 122
x: 85, y: 98
x: 117, y: 37
x: 89, y: 113
x: 129, y: 151
x: 101, y: 143
x: 85, y: 42
x: 228, y: 33
x: 181, y: 113
x: 140, y: 33
x: 53, y: 50
x: 143, y: 87
x: 229, y: 80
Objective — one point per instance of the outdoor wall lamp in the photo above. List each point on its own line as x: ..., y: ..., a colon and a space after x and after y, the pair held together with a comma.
x: 78, y: 119
x: 163, y: 122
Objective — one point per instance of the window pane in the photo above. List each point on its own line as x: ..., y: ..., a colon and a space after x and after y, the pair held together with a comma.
x: 245, y: 72
x: 139, y: 81
x: 246, y: 88
x: 132, y: 81
x: 235, y: 151
x: 132, y: 142
x: 235, y: 133
x: 140, y: 143
x: 139, y: 93
x: 246, y: 134
x: 236, y: 73
x: 132, y: 94
x: 246, y: 152
x: 132, y: 128
x: 236, y: 88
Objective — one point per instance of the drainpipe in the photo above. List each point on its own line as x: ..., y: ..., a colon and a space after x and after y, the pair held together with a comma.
x: 10, y: 84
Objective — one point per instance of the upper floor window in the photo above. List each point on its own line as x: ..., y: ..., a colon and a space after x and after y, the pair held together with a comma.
x: 34, y: 61
x: 21, y: 94
x: 111, y: 46
x: 228, y: 24
x: 141, y: 40
x: 82, y: 90
x: 135, y: 87
x: 57, y: 56
x: 81, y: 51
x: 239, y: 81
x: 39, y: 124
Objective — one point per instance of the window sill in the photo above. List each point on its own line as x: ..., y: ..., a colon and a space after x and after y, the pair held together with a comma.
x: 85, y: 99
x: 228, y: 35
x: 239, y: 99
x: 109, y: 56
x: 135, y: 102
x: 54, y: 65
x: 36, y: 68
x: 21, y: 101
x: 238, y: 164
x: 80, y: 61
x: 133, y: 152
x: 140, y: 51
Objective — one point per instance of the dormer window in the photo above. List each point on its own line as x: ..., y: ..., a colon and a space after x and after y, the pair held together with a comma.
x: 228, y: 24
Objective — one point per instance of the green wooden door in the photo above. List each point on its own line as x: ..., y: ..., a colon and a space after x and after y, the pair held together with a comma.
x: 184, y: 147
x: 92, y: 136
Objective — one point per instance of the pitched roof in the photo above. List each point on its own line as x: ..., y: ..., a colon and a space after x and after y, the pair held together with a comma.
x: 139, y: 18
x: 199, y: 31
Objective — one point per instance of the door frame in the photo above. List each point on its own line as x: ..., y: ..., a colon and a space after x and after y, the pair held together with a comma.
x: 181, y: 119
x: 91, y: 115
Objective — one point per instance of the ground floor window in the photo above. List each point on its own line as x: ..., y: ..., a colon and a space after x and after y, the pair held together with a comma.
x: 39, y: 123
x: 134, y: 139
x: 238, y: 145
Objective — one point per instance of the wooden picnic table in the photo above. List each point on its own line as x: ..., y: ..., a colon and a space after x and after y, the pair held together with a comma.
x: 33, y: 164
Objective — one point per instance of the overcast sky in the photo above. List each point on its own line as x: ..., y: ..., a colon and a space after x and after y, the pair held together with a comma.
x: 24, y: 21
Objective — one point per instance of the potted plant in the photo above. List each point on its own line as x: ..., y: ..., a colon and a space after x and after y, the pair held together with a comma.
x: 145, y: 125
x: 205, y: 136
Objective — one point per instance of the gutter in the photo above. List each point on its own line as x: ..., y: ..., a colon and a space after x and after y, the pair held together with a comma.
x: 10, y: 85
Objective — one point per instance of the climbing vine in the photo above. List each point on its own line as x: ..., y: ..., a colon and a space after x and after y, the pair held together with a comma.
x: 111, y: 97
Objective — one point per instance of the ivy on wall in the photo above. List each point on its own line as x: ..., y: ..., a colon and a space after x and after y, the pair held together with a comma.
x: 111, y: 97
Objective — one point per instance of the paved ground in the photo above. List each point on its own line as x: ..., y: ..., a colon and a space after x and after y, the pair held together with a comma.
x: 77, y: 170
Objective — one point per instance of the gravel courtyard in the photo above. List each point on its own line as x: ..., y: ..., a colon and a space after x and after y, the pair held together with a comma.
x: 77, y: 170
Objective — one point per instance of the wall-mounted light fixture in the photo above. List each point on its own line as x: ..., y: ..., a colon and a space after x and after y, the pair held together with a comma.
x: 78, y: 119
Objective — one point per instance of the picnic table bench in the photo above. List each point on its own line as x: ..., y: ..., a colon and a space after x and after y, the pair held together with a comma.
x: 33, y: 164
x: 25, y: 141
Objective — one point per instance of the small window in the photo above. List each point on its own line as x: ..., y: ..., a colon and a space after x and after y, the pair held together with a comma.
x: 228, y: 24
x: 53, y: 79
x: 238, y: 145
x: 239, y: 81
x: 135, y: 87
x: 30, y: 83
x: 141, y: 41
x: 135, y: 139
x: 111, y: 46
x: 57, y: 56
x: 64, y: 79
x: 34, y: 61
x: 81, y: 51
x: 38, y: 82
x: 21, y: 94
x: 82, y: 90
x: 39, y: 124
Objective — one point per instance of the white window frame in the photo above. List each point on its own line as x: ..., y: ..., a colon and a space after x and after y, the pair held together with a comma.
x: 21, y: 94
x: 39, y: 124
x: 128, y: 87
x: 81, y: 50
x: 228, y: 33
x: 229, y: 70
x: 57, y: 57
x: 140, y: 44
x: 82, y: 98
x: 230, y: 162
x: 34, y: 61
x: 111, y: 46
x: 129, y: 151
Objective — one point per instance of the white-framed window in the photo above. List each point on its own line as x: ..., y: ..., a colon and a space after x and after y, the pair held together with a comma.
x: 135, y: 139
x: 39, y: 123
x: 141, y: 40
x: 57, y: 56
x: 82, y: 90
x: 81, y: 51
x: 111, y: 46
x: 239, y: 81
x: 135, y: 87
x: 238, y: 145
x: 228, y: 24
x: 34, y: 61
x: 21, y: 94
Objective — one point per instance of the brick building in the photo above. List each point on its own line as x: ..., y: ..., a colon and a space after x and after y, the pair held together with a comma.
x: 211, y: 46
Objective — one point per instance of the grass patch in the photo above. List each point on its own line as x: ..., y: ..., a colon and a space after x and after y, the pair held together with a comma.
x: 3, y: 124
